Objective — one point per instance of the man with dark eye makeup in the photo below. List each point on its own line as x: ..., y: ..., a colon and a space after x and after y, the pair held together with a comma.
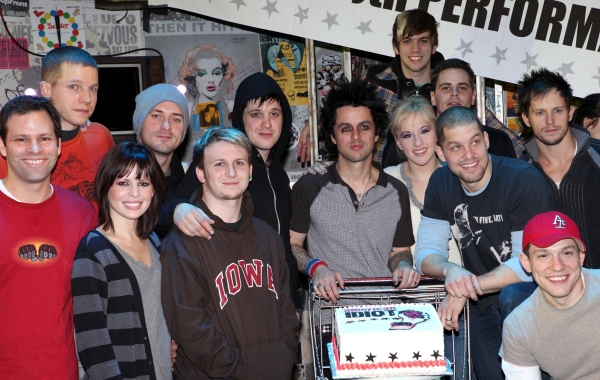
x: 355, y: 218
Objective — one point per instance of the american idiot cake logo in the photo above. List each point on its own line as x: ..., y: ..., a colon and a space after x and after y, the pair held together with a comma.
x: 399, y: 319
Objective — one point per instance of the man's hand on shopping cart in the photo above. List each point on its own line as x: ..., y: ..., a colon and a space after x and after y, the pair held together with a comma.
x: 405, y: 276
x: 325, y: 283
x: 462, y: 283
x: 450, y: 309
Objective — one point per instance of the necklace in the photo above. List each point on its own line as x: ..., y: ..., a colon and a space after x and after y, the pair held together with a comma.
x: 360, y: 196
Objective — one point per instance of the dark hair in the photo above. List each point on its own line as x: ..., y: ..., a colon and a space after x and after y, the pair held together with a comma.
x: 453, y: 117
x: 216, y: 134
x: 52, y: 62
x: 22, y: 105
x: 119, y: 162
x: 413, y: 22
x: 358, y: 93
x: 540, y: 83
x: 263, y: 99
x: 452, y: 63
x: 589, y: 108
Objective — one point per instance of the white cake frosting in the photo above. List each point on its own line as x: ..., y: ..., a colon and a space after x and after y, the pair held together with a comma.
x: 387, y: 340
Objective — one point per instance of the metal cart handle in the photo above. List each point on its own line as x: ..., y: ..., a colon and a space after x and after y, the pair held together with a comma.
x: 385, y: 281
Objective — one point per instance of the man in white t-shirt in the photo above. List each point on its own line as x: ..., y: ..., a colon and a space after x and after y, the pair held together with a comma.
x: 555, y: 329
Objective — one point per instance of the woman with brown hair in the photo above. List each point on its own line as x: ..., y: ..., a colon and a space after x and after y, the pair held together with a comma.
x: 120, y: 327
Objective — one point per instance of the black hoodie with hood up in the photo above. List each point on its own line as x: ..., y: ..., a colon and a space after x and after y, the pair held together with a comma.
x: 270, y: 186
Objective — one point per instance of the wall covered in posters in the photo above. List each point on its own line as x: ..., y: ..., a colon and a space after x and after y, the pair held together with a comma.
x: 210, y: 60
x: 100, y: 32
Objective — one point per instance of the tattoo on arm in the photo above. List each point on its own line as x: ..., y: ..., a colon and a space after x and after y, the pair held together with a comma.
x: 397, y: 256
x: 301, y: 256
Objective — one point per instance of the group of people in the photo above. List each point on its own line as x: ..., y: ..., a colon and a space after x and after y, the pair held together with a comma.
x: 119, y: 259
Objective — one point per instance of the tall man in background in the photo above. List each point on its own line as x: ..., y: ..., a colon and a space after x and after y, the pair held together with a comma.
x: 415, y: 40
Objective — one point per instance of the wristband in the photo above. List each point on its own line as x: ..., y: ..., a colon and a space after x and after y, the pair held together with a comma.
x: 309, y: 266
x: 315, y: 266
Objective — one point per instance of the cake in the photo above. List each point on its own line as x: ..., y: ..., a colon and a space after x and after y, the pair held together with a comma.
x: 387, y: 340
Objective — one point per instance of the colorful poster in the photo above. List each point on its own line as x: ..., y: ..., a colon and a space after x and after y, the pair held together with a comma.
x: 57, y: 25
x: 329, y: 67
x: 501, y: 39
x: 210, y: 65
x: 284, y: 60
x: 11, y: 56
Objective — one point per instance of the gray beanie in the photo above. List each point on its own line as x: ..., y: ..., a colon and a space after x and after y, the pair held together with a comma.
x: 150, y: 97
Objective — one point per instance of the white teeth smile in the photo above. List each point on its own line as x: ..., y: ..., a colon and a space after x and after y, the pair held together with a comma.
x: 414, y: 59
x: 132, y: 204
x: 34, y: 162
x: 420, y: 151
x: 469, y: 166
x: 559, y: 278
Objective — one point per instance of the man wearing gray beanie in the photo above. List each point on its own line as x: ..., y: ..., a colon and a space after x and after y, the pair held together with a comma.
x: 160, y: 122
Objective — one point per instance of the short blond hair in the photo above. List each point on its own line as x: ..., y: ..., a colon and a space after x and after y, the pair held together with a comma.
x: 409, y: 107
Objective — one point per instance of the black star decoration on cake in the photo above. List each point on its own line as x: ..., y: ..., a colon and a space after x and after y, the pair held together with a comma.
x: 436, y: 354
x: 393, y: 356
x: 417, y: 355
x: 349, y: 358
x: 371, y: 357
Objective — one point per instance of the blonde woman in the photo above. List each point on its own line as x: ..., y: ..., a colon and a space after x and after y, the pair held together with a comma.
x: 413, y: 126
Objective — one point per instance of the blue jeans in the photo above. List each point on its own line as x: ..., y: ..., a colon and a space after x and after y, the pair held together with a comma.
x: 486, y: 338
x: 458, y: 347
x: 513, y: 295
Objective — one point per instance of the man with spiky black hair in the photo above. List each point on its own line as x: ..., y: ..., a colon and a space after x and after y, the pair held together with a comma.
x: 333, y: 210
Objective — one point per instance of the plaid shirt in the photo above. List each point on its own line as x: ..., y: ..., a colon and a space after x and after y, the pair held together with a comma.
x: 517, y: 141
x: 391, y: 86
x: 390, y: 98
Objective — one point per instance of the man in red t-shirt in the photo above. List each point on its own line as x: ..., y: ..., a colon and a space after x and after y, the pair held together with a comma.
x: 41, y: 225
x: 70, y: 81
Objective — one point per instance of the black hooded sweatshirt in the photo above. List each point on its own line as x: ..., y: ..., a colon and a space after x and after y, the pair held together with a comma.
x: 270, y: 186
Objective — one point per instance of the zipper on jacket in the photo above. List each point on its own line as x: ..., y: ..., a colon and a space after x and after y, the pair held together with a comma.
x: 275, y: 198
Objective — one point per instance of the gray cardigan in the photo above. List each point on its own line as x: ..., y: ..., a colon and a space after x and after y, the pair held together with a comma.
x: 109, y: 316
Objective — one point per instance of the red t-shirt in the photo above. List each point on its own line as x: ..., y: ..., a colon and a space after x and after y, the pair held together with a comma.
x: 79, y: 161
x: 36, y: 305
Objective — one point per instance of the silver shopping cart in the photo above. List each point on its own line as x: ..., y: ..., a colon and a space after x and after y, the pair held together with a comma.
x: 380, y: 291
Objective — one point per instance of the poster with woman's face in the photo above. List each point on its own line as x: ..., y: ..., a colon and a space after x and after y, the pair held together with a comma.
x: 210, y: 60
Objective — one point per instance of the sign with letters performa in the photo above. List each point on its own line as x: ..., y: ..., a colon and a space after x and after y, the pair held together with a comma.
x: 502, y: 39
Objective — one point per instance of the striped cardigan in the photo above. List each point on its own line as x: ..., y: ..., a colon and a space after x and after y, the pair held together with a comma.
x: 111, y: 334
